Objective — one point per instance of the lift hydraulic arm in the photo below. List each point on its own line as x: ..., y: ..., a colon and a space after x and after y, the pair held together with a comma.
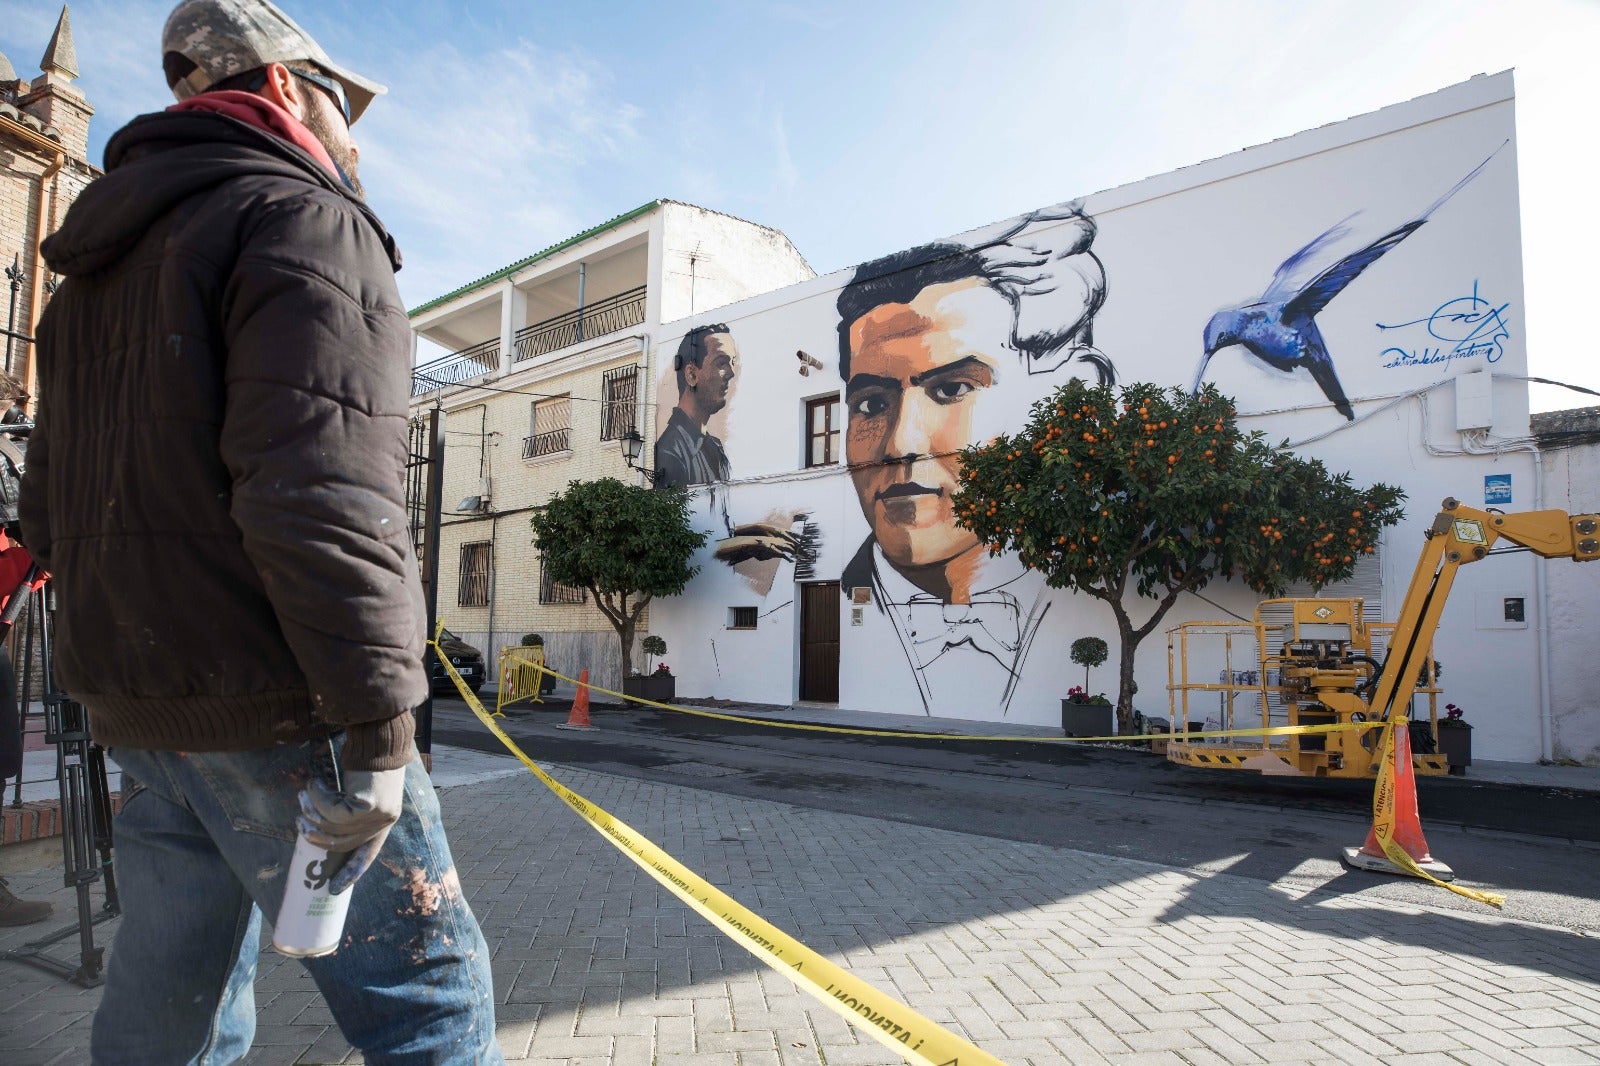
x: 1461, y: 535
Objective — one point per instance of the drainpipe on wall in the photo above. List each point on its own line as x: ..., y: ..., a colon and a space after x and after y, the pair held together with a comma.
x: 486, y: 473
x: 647, y: 427
x: 52, y: 176
x: 490, y: 661
x: 582, y: 277
x: 1541, y: 595
x: 1541, y: 592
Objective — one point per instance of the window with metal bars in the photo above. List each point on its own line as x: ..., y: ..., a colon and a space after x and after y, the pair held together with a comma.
x: 552, y: 592
x: 619, y: 402
x: 822, y: 431
x: 551, y: 432
x: 742, y: 617
x: 473, y: 588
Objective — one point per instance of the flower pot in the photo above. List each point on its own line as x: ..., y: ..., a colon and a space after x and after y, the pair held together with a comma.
x: 658, y: 688
x: 1085, y: 719
x: 1455, y: 744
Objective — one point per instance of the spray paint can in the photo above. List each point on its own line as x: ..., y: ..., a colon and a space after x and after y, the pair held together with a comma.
x: 310, y: 920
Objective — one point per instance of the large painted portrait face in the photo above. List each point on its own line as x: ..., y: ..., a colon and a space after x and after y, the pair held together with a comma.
x: 712, y: 380
x: 921, y: 384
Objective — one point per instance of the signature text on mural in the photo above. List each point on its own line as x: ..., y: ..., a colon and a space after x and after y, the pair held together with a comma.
x: 1465, y: 327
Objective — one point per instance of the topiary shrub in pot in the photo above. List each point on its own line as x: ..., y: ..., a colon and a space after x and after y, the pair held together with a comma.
x: 547, y: 684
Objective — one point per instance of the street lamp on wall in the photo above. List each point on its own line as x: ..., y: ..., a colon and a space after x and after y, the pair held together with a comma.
x: 632, y: 450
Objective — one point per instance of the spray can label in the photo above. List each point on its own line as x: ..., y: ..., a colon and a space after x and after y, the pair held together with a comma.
x: 310, y: 920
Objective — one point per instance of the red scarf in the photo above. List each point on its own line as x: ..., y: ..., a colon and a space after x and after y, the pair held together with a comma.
x: 264, y: 115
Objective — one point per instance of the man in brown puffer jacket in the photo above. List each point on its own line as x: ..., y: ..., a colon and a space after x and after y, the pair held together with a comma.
x: 216, y: 484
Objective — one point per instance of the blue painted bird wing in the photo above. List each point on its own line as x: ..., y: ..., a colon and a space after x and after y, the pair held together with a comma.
x: 1292, y: 271
x: 1331, y: 282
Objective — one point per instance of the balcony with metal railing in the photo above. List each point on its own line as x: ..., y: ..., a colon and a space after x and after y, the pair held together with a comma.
x: 590, y: 322
x: 584, y: 323
x: 553, y: 442
x: 456, y: 367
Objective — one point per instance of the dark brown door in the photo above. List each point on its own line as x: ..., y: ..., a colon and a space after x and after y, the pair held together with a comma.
x: 819, y: 642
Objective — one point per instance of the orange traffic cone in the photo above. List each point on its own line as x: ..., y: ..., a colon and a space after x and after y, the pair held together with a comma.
x: 1394, y: 805
x: 579, y: 718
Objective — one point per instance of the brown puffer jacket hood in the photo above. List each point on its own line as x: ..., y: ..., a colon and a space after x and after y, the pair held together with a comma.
x: 158, y: 160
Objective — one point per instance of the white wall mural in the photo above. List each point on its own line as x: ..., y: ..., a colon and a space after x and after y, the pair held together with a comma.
x: 821, y: 424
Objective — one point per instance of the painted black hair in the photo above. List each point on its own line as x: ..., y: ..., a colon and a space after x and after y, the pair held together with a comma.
x: 692, y: 350
x: 896, y: 279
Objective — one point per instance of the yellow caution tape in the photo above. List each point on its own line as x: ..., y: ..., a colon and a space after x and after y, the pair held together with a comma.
x: 887, y: 1020
x: 1259, y: 731
x: 1383, y: 822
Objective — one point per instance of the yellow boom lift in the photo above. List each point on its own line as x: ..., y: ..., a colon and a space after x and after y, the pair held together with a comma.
x: 1317, y: 661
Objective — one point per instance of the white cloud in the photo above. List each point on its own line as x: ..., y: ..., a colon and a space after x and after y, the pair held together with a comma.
x: 483, y: 160
x: 785, y: 175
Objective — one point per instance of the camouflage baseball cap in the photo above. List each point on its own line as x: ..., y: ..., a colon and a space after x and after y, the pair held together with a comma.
x: 209, y: 41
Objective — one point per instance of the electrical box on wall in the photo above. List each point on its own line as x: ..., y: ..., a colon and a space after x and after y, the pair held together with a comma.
x: 1501, y: 610
x: 1474, y: 400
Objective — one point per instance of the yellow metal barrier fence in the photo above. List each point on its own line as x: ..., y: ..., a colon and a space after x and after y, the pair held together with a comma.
x: 521, y: 675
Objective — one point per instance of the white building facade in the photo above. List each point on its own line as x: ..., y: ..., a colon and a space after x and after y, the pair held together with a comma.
x: 1356, y: 288
x: 1569, y: 477
x: 547, y: 367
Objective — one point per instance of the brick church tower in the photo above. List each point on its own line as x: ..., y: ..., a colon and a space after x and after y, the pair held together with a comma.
x: 44, y: 141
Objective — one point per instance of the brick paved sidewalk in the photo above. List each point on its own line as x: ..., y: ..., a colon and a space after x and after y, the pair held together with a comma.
x: 1037, y: 954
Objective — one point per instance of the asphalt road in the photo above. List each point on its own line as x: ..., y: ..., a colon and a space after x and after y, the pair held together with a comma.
x: 1539, y: 846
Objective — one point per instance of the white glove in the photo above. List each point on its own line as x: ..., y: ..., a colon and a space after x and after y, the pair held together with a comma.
x: 355, y: 821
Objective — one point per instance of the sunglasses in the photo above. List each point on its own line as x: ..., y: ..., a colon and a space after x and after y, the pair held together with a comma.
x: 329, y: 86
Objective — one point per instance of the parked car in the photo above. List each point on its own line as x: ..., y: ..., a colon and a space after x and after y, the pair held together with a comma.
x: 467, y: 660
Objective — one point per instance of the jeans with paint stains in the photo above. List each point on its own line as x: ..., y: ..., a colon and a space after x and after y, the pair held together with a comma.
x: 202, y: 848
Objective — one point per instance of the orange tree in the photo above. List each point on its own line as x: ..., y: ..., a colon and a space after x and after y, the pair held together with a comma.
x: 1157, y: 492
x: 625, y: 544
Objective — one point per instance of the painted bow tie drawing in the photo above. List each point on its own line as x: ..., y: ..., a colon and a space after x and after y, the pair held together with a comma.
x: 990, y: 625
x: 1280, y: 329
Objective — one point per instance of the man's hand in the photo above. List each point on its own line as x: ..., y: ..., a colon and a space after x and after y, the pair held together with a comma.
x: 757, y: 540
x: 355, y: 821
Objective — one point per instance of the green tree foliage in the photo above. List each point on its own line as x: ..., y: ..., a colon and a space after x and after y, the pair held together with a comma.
x: 652, y: 647
x: 1156, y: 492
x: 1089, y: 652
x: 625, y: 544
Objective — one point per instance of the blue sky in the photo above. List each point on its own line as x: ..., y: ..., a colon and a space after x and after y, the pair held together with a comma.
x: 863, y: 127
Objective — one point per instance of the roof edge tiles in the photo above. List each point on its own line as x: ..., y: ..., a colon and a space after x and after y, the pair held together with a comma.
x: 545, y: 253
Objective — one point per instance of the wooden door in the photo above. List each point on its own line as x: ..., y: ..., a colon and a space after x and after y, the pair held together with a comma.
x: 819, y: 642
